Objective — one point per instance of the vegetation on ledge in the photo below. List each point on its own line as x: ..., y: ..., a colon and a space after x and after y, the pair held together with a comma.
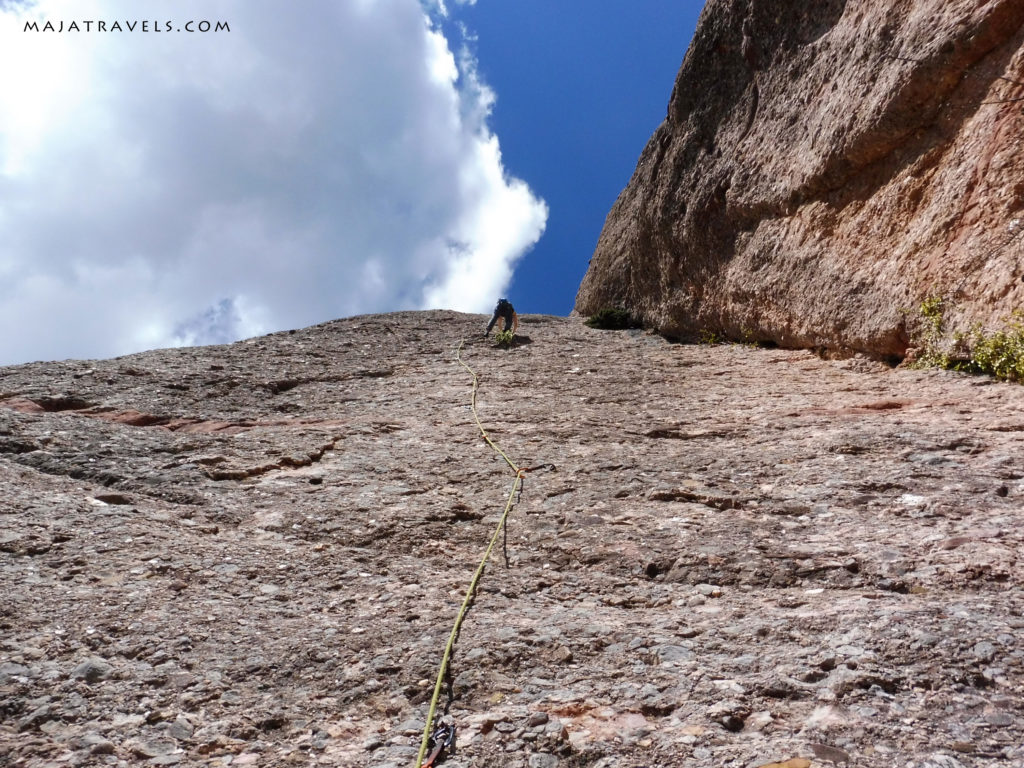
x: 998, y: 353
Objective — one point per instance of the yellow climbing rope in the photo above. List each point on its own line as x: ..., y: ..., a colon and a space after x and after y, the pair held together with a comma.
x: 424, y: 744
x: 476, y: 386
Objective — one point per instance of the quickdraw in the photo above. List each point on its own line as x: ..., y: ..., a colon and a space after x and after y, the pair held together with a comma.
x: 441, y: 745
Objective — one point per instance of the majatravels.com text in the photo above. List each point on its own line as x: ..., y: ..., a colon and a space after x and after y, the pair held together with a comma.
x: 126, y: 26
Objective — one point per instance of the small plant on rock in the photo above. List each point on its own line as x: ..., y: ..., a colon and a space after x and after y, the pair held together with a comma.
x: 932, y: 345
x: 504, y: 338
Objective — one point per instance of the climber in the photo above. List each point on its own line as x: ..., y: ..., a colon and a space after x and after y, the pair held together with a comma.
x: 507, y: 314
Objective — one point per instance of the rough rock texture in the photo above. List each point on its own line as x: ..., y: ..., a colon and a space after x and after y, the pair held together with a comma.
x: 252, y: 554
x: 823, y: 168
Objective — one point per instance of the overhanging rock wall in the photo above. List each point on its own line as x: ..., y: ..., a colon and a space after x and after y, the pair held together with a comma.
x: 824, y: 167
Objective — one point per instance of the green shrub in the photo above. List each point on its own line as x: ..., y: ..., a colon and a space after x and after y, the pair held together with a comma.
x: 611, y: 319
x: 999, y: 353
x: 710, y: 337
x: 933, y: 310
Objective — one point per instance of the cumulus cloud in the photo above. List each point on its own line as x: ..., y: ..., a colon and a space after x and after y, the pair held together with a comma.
x: 318, y: 160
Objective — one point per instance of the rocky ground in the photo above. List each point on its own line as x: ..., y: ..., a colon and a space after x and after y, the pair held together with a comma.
x: 252, y: 555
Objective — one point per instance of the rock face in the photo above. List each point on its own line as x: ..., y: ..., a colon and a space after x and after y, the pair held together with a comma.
x: 823, y: 168
x: 253, y: 554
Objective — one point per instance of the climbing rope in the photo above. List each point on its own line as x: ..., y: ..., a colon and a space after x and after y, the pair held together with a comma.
x: 472, y: 402
x: 468, y: 600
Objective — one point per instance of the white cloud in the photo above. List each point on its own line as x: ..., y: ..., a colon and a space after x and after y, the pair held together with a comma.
x: 162, y: 188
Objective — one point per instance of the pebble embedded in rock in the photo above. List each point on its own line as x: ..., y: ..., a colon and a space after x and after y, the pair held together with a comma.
x: 672, y: 653
x: 563, y: 655
x: 984, y: 651
x: 1000, y: 719
x: 150, y: 748
x: 102, y: 747
x: 537, y: 718
x: 35, y: 718
x: 543, y: 760
x: 708, y: 590
x: 181, y: 728
x: 93, y: 670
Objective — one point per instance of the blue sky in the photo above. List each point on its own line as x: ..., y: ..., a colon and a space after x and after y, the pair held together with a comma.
x: 161, y: 187
x: 581, y: 85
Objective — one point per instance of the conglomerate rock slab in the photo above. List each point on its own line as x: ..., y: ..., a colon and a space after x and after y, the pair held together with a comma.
x: 724, y: 556
x: 824, y: 167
